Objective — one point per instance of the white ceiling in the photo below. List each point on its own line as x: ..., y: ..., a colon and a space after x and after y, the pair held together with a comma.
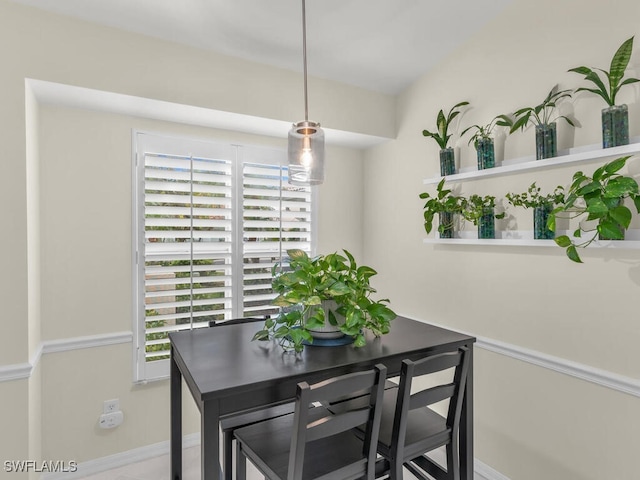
x: 381, y: 45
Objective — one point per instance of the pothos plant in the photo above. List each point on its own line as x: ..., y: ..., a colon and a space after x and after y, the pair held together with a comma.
x: 475, y: 207
x: 442, y: 202
x: 544, y: 113
x: 532, y: 198
x: 614, y: 77
x: 598, y: 198
x: 442, y: 135
x: 307, y: 283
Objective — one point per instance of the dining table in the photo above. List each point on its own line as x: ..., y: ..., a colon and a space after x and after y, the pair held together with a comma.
x: 226, y: 373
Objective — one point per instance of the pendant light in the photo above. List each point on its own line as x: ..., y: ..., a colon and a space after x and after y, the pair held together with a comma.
x: 306, y: 139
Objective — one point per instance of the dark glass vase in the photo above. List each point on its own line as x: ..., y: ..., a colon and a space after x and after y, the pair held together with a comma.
x: 447, y: 162
x: 446, y: 224
x: 540, y: 217
x: 486, y: 154
x: 546, y: 141
x: 487, y: 224
x: 615, y: 126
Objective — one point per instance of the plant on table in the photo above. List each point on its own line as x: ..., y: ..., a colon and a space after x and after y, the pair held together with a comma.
x: 442, y: 136
x: 311, y: 280
x: 544, y: 117
x: 607, y: 84
x: 598, y: 198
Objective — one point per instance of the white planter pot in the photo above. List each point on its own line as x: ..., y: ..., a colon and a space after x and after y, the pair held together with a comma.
x: 328, y: 331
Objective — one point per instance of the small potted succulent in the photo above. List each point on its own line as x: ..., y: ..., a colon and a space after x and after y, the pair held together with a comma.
x: 443, y: 204
x: 483, y: 140
x: 324, y: 293
x: 615, y: 118
x: 442, y: 136
x: 542, y: 206
x: 544, y: 118
x: 597, y: 199
x: 481, y: 212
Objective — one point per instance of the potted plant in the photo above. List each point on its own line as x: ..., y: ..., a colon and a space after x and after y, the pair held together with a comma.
x: 321, y: 291
x: 542, y: 116
x: 542, y: 206
x: 615, y: 118
x: 483, y: 140
x: 442, y: 136
x: 445, y: 205
x: 481, y: 212
x: 598, y: 198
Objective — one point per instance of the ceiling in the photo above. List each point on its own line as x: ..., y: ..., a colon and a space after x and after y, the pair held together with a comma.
x: 380, y: 45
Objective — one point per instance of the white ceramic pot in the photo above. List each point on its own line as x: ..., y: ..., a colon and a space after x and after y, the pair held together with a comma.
x: 328, y: 331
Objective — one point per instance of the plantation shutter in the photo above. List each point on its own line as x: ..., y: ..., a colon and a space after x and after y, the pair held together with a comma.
x: 211, y: 222
x: 276, y: 216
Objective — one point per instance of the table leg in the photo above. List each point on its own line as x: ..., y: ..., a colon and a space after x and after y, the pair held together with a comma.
x: 210, y: 440
x: 466, y: 425
x: 176, y: 421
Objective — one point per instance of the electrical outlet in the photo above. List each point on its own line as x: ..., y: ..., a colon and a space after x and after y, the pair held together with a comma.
x: 111, y: 420
x: 111, y: 406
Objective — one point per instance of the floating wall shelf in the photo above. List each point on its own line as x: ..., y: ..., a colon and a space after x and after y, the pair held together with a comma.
x: 525, y: 239
x: 511, y: 167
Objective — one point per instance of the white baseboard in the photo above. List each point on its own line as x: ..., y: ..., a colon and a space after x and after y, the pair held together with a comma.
x: 482, y: 471
x: 98, y: 465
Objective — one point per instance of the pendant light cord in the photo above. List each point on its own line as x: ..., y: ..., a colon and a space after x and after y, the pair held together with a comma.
x: 304, y: 60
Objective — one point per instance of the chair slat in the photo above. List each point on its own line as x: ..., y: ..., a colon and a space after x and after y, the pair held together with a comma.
x: 436, y: 363
x: 432, y: 395
x: 334, y: 424
x: 336, y: 388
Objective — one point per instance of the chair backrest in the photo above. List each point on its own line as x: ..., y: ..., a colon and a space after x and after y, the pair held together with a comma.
x: 369, y: 415
x: 234, y: 321
x: 453, y: 390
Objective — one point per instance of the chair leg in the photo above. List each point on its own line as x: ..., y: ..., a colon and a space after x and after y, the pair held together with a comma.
x: 241, y: 463
x: 227, y: 455
x: 395, y: 470
x: 453, y: 460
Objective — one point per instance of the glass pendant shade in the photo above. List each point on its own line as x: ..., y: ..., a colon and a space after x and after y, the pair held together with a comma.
x: 306, y: 154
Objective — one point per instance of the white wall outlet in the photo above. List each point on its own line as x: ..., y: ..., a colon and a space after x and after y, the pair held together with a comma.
x: 111, y: 406
x: 111, y: 420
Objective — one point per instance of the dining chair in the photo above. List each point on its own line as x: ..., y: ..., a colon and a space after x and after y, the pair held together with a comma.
x: 313, y: 443
x: 410, y: 428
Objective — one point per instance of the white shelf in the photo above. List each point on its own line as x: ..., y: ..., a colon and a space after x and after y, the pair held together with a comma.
x: 525, y: 239
x: 510, y: 167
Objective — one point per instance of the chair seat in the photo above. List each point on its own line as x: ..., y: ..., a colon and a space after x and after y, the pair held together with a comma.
x: 268, y: 444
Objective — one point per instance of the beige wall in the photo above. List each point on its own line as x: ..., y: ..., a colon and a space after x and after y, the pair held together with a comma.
x: 70, y: 259
x: 531, y: 423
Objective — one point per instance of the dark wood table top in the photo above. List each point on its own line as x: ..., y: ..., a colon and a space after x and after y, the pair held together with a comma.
x: 223, y: 362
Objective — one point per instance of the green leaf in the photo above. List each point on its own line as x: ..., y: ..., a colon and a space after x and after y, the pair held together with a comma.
x: 572, y: 253
x: 636, y: 202
x: 616, y: 165
x: 622, y: 215
x: 620, y: 61
x: 563, y: 241
x: 262, y: 336
x: 596, y: 206
x: 588, y: 188
x: 297, y: 254
x: 360, y: 341
x: 620, y: 187
x: 551, y: 222
x: 610, y: 229
x: 581, y: 70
